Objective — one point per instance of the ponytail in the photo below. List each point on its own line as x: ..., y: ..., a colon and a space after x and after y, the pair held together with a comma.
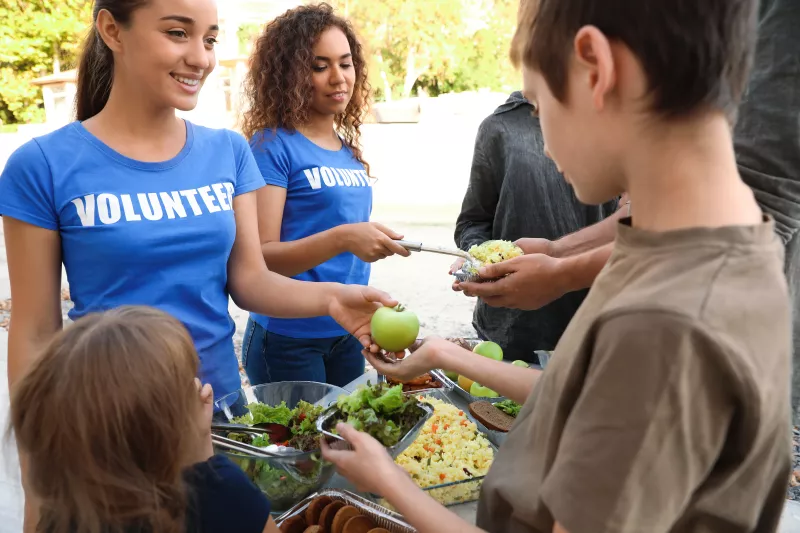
x: 96, y: 68
x: 95, y: 77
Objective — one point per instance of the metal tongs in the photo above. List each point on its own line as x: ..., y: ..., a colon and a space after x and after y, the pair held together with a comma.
x: 240, y: 447
x: 467, y: 272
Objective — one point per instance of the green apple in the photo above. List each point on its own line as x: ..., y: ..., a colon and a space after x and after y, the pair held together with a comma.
x: 489, y: 349
x: 523, y: 364
x: 480, y: 391
x: 451, y: 375
x: 394, y: 328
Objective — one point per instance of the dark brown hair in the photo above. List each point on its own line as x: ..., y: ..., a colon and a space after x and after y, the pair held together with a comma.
x: 96, y: 68
x: 278, y: 87
x: 696, y: 53
x: 106, y: 420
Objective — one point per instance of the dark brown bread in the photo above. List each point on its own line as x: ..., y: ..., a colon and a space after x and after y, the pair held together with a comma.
x: 315, y: 508
x: 490, y: 416
x: 359, y: 524
x: 295, y: 524
x: 342, y: 516
x: 326, y: 518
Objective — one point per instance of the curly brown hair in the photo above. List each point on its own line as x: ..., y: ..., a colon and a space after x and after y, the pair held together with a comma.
x: 278, y: 87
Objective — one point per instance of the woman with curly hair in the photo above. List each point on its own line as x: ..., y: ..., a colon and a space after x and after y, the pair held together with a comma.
x: 307, y: 92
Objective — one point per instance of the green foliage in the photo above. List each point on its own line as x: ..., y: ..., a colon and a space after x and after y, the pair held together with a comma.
x: 33, y: 34
x: 246, y: 34
x: 437, y: 46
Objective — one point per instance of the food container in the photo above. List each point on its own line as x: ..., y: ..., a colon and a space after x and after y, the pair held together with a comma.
x: 325, y: 423
x: 469, y: 398
x: 287, y: 479
x: 455, y: 492
x: 438, y: 376
x: 382, y: 517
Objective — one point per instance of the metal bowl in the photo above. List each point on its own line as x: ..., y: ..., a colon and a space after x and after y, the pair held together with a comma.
x: 286, y: 479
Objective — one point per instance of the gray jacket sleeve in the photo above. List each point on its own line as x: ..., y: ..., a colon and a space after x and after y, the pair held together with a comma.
x: 476, y: 220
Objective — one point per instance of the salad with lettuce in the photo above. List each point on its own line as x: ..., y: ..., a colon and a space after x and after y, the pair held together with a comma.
x: 381, y: 410
x: 301, y: 421
x: 509, y: 407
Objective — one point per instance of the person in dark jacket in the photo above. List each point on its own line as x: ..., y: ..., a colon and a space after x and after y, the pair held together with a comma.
x: 515, y: 191
x: 767, y: 141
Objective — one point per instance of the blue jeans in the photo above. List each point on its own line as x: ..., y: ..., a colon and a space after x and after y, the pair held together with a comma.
x: 268, y: 357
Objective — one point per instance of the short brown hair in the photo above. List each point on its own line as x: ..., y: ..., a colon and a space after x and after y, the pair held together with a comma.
x: 106, y: 420
x: 696, y: 53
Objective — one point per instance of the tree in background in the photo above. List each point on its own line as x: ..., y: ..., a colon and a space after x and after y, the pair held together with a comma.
x: 37, y: 37
x: 436, y: 46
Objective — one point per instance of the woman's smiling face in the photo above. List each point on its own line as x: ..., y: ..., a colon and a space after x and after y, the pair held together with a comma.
x: 167, y: 50
x: 333, y: 75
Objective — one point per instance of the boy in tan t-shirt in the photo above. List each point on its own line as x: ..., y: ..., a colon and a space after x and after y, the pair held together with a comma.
x: 666, y: 405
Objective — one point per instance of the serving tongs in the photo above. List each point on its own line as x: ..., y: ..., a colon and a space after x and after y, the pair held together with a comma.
x: 298, y: 471
x: 467, y: 272
x: 277, y: 432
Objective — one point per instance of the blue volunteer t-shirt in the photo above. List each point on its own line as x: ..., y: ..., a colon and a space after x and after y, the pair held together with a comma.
x: 135, y: 233
x: 324, y: 189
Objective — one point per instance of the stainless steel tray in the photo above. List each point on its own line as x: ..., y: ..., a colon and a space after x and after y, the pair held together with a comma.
x: 455, y: 492
x: 380, y: 515
x: 325, y: 420
x: 438, y: 375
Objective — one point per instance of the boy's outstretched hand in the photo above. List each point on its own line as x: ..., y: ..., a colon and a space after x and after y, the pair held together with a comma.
x: 368, y: 466
x: 353, y: 306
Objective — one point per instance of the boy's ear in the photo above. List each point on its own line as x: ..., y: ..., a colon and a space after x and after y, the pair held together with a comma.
x: 593, y: 54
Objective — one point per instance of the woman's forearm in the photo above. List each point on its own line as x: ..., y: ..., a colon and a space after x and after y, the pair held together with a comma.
x: 268, y: 293
x: 291, y: 258
x: 507, y: 380
x: 423, y: 512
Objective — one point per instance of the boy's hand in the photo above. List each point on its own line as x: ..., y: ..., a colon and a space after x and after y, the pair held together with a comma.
x: 527, y: 282
x: 424, y: 358
x: 368, y: 466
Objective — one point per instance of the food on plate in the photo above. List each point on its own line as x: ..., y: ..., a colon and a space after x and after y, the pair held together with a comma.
x: 394, y: 328
x: 449, y: 449
x: 465, y: 383
x: 479, y: 391
x: 521, y: 363
x: 300, y: 425
x: 315, y: 509
x: 425, y: 381
x: 295, y: 524
x: 489, y: 349
x: 328, y: 514
x: 301, y: 421
x: 381, y: 410
x: 491, y: 252
x: 359, y: 524
x: 510, y: 407
x: 459, y: 341
x: 342, y: 516
x: 490, y: 416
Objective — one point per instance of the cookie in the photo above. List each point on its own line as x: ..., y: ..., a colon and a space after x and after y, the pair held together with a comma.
x: 315, y: 508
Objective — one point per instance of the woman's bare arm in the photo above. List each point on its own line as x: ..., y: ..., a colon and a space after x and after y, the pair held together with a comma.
x: 34, y: 267
x: 368, y: 241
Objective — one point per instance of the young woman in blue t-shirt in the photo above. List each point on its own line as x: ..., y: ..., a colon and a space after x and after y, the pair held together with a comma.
x: 307, y: 94
x: 142, y: 207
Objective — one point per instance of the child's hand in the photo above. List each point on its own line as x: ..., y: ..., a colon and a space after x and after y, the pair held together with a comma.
x: 206, y: 412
